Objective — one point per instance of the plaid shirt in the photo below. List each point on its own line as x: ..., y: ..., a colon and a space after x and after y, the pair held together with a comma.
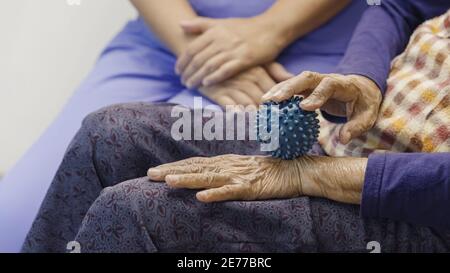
x: 415, y: 113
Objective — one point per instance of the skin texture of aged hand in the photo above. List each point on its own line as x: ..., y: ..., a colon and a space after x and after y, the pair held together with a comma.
x: 356, y: 97
x: 236, y: 177
x: 248, y: 87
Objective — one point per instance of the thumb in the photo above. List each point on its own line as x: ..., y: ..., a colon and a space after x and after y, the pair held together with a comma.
x: 197, y: 25
x: 278, y: 72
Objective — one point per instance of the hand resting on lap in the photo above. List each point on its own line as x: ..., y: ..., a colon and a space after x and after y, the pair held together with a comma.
x: 237, y: 177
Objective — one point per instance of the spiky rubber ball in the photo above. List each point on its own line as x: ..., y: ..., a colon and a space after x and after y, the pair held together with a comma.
x: 297, y: 132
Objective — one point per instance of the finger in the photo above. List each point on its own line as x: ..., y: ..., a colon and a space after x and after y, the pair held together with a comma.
x: 224, y: 72
x: 320, y: 95
x: 278, y: 72
x: 209, y: 65
x: 225, y: 193
x: 192, y: 50
x: 197, y: 62
x: 197, y: 181
x: 160, y: 173
x: 225, y: 100
x: 304, y: 82
x: 241, y: 98
x: 197, y: 25
x: 264, y: 81
x: 189, y: 165
x: 193, y: 161
x: 253, y: 90
x: 358, y: 124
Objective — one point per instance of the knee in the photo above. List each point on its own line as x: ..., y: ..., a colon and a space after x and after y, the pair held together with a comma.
x: 118, y: 214
x: 133, y: 196
x: 147, y: 209
x: 134, y: 203
x: 124, y: 199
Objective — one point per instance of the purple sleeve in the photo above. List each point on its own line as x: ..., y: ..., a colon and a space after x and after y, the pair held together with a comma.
x: 383, y: 33
x: 412, y: 188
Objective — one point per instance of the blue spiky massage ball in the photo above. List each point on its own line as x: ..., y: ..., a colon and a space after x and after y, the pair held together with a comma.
x: 298, y: 129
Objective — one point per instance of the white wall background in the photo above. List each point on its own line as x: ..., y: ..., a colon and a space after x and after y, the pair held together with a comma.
x: 46, y: 48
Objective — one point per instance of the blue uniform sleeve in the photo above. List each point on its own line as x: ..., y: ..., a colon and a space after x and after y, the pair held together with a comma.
x: 412, y: 188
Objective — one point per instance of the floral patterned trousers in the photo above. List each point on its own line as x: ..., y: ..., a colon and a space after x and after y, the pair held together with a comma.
x: 98, y: 200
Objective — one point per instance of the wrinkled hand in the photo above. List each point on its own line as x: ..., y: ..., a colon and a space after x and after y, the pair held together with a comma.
x: 248, y: 87
x: 232, y: 177
x: 224, y: 48
x: 236, y: 177
x: 356, y: 97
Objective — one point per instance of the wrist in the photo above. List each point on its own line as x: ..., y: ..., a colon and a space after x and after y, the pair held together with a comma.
x: 365, y: 81
x: 339, y: 179
x: 179, y: 47
x: 279, y: 36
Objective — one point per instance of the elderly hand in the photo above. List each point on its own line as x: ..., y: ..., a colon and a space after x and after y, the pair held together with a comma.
x: 224, y: 48
x: 248, y: 87
x: 356, y: 97
x: 236, y: 177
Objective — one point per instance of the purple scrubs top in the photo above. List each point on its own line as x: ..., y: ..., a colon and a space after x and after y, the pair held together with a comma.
x: 136, y: 66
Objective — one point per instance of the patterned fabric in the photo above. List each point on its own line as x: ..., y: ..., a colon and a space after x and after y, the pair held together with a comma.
x: 114, y: 144
x: 87, y: 201
x: 415, y: 113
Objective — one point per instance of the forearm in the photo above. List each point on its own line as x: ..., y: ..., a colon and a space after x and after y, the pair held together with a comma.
x: 294, y: 19
x: 164, y: 18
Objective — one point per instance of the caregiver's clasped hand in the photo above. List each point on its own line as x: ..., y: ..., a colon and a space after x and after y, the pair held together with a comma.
x: 237, y: 177
x: 225, y: 47
x: 355, y: 97
x: 248, y: 87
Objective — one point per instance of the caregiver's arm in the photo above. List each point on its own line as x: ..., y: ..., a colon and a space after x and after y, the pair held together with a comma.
x: 413, y: 188
x: 383, y: 33
x: 228, y: 46
x: 164, y: 17
x: 294, y: 19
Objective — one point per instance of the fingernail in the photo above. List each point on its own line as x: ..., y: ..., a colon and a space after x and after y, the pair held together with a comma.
x: 280, y: 94
x: 201, y: 196
x: 266, y: 96
x: 306, y: 101
x: 154, y: 172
